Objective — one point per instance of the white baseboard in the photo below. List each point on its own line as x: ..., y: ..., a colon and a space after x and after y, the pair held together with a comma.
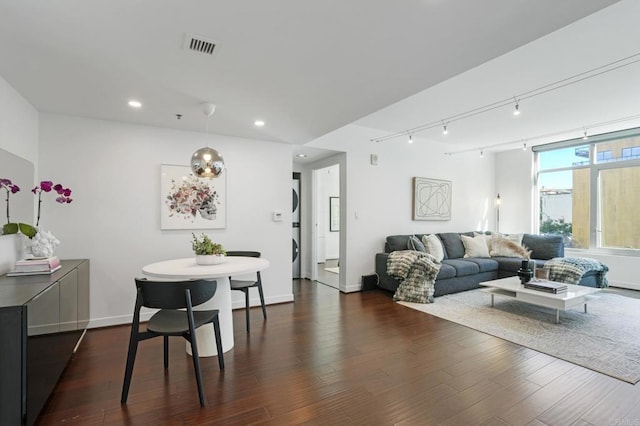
x: 622, y: 284
x: 353, y: 288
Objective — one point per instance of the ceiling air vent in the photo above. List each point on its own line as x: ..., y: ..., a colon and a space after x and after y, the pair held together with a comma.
x: 196, y: 43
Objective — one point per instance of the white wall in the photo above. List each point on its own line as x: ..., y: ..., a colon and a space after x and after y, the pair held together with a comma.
x: 18, y: 124
x: 514, y: 181
x: 114, y: 220
x: 377, y: 200
x: 19, y: 136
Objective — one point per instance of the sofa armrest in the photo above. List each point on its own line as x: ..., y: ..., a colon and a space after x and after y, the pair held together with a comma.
x: 384, y: 280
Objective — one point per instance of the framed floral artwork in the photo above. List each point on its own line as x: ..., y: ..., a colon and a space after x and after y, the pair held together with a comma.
x: 189, y: 202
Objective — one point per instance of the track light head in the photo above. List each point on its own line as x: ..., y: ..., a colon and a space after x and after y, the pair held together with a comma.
x: 481, y: 154
x: 585, y: 136
x: 516, y: 111
x: 445, y: 131
x: 410, y: 138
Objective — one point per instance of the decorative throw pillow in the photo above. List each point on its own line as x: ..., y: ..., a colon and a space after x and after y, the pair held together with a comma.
x: 414, y: 243
x: 507, y: 248
x: 516, y: 238
x: 433, y: 246
x: 485, y: 237
x: 475, y: 246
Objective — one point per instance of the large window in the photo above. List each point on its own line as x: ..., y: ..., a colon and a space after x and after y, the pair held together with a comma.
x: 590, y: 191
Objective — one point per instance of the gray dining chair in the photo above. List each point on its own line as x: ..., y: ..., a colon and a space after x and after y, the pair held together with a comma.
x: 245, y: 285
x: 171, y: 297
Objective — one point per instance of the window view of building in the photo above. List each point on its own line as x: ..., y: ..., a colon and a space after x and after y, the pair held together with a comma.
x: 590, y: 192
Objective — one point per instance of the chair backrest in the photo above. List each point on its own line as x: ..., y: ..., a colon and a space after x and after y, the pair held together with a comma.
x: 244, y: 253
x: 171, y: 294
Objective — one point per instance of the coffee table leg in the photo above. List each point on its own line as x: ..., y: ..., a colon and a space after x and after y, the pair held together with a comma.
x: 585, y: 308
x: 557, y: 316
x: 492, y: 300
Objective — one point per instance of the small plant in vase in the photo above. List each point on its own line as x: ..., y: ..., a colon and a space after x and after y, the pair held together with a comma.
x: 207, y: 252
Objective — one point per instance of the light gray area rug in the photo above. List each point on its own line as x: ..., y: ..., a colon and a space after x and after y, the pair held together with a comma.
x: 605, y: 339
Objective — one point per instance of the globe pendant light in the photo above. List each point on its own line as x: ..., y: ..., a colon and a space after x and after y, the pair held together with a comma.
x: 207, y: 162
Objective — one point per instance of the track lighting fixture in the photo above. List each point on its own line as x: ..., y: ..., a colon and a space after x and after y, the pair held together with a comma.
x: 585, y: 136
x: 524, y: 146
x: 410, y: 138
x: 445, y: 131
x: 481, y: 154
x: 505, y: 102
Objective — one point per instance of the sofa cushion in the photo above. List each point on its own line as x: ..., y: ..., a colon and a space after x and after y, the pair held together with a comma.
x: 544, y: 247
x: 463, y: 267
x: 485, y: 264
x: 414, y: 243
x: 452, y: 243
x: 509, y: 264
x: 446, y: 271
x: 397, y: 242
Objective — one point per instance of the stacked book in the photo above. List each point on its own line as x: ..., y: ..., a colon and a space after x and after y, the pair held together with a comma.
x: 548, y: 286
x: 35, y: 266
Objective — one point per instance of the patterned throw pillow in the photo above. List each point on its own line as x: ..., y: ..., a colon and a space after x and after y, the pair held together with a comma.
x: 433, y: 246
x: 502, y: 247
x: 415, y: 244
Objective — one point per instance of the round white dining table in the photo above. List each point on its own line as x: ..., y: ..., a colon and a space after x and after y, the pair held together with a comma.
x: 182, y: 269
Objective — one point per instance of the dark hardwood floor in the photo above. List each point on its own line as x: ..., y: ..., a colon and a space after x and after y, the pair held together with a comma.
x: 332, y: 358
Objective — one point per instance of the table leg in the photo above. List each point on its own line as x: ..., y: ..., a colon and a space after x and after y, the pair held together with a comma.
x: 585, y: 308
x: 206, y: 340
x: 492, y: 300
x: 557, y: 316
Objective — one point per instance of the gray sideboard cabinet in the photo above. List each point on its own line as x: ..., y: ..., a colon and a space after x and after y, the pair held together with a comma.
x: 42, y: 319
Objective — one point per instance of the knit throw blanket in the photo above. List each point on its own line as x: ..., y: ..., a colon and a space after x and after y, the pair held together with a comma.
x: 416, y: 272
x: 571, y: 269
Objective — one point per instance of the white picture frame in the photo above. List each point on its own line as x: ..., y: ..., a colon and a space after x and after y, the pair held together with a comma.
x: 189, y: 202
x: 431, y: 199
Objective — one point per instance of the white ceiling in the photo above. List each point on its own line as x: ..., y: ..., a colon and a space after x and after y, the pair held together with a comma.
x: 306, y: 68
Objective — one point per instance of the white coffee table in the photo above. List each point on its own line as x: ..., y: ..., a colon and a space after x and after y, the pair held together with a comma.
x: 511, y: 287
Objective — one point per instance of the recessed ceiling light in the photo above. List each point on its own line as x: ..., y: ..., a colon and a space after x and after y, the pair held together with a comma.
x: 301, y: 155
x: 258, y: 123
x: 135, y: 104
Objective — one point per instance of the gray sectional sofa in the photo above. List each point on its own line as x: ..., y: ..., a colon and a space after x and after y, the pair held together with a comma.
x: 458, y: 273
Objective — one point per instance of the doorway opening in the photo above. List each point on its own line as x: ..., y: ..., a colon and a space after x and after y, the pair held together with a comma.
x: 327, y: 225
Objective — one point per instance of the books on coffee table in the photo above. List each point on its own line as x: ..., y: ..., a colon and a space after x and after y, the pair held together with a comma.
x: 547, y: 286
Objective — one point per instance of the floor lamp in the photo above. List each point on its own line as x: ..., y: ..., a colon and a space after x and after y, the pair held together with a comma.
x: 498, y: 213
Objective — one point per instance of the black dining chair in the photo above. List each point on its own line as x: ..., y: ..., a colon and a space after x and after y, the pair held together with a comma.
x: 171, y: 297
x: 244, y: 286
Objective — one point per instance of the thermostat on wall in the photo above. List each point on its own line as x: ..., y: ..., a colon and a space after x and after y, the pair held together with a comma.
x: 277, y: 216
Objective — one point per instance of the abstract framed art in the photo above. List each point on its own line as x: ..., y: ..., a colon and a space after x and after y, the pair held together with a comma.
x: 189, y: 202
x: 431, y: 199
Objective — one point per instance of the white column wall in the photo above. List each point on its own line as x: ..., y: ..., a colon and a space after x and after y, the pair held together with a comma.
x: 114, y: 220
